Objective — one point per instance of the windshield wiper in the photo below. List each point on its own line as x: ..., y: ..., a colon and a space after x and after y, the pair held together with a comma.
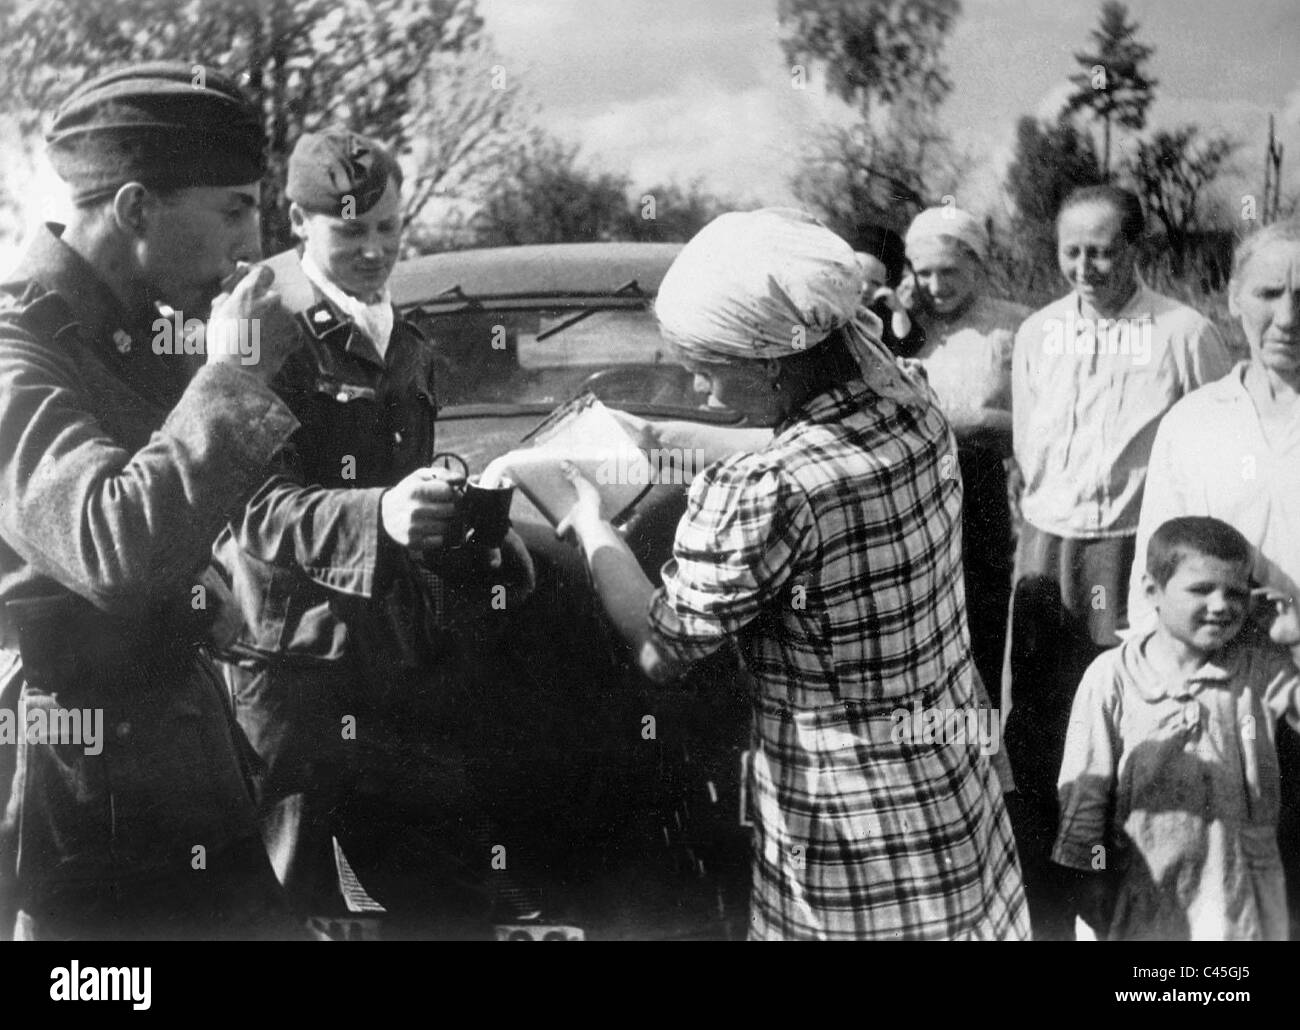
x: 629, y: 287
x: 453, y: 294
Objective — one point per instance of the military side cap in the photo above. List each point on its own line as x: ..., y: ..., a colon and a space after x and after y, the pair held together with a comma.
x: 168, y: 124
x: 328, y: 168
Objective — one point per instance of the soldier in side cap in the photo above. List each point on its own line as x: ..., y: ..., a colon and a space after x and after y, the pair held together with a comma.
x: 346, y: 562
x: 128, y: 810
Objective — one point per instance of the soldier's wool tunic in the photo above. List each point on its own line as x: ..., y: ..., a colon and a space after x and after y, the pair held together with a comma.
x: 118, y: 467
x: 341, y: 622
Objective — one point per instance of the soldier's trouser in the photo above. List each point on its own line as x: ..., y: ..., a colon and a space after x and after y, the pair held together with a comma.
x: 234, y: 898
x: 380, y: 769
x: 295, y: 720
x: 132, y: 820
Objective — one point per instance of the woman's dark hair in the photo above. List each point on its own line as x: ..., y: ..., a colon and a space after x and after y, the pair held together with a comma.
x: 1132, y: 223
x: 826, y: 365
x: 885, y: 244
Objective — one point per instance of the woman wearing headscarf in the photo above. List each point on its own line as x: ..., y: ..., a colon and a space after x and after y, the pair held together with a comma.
x: 831, y: 558
x: 966, y: 352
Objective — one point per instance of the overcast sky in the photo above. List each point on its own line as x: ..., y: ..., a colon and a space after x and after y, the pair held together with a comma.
x: 666, y: 89
x: 680, y: 89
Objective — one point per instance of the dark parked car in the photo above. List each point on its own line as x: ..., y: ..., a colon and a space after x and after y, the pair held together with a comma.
x: 632, y: 825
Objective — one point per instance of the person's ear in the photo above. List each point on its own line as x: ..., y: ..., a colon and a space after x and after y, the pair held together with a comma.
x: 298, y: 220
x: 1150, y: 588
x: 130, y: 205
x: 771, y: 371
x: 1234, y: 309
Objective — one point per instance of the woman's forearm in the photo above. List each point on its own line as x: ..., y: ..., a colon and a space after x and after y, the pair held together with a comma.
x: 623, y: 588
x: 625, y: 593
x: 712, y: 442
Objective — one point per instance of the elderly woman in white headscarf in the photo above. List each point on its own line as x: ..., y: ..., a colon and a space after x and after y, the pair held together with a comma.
x: 832, y: 558
x: 966, y: 353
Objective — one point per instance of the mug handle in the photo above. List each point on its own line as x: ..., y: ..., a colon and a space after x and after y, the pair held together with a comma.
x: 449, y: 456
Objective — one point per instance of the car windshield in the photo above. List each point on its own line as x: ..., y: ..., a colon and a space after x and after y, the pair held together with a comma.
x: 542, y: 356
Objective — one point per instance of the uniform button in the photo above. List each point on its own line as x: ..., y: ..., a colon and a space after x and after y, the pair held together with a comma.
x: 321, y: 316
x: 397, y: 436
x: 123, y: 729
x: 342, y: 397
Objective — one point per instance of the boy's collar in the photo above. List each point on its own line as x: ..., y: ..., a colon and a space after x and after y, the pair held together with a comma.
x: 1156, y: 685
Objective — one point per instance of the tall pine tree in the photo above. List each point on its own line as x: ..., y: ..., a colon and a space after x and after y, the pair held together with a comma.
x: 1113, y: 85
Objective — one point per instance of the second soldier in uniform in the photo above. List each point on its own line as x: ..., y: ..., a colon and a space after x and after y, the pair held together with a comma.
x: 341, y: 563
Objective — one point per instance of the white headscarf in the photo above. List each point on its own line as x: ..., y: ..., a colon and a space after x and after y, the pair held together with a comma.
x: 936, y: 222
x: 769, y: 284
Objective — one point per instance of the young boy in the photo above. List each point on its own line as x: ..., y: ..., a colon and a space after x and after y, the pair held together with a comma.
x: 1169, y: 786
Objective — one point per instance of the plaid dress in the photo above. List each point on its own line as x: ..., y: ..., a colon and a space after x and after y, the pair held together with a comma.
x: 833, y: 559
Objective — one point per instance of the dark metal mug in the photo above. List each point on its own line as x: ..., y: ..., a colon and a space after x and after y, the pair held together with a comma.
x: 487, y: 512
x: 484, y: 517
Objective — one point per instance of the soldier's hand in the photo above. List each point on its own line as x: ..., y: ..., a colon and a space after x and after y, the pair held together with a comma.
x: 249, y: 326
x: 422, y: 511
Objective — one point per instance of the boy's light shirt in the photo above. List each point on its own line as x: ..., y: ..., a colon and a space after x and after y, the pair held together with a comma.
x: 375, y: 320
x: 1180, y: 774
